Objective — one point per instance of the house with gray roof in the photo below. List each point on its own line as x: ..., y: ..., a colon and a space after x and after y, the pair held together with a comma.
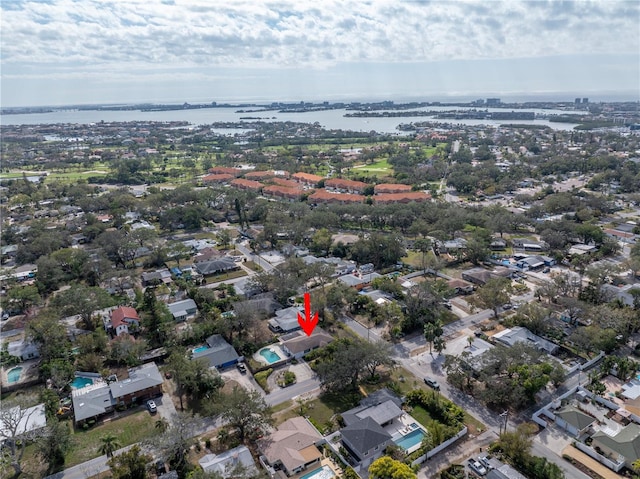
x: 183, y: 310
x: 227, y: 463
x: 518, y: 334
x: 298, y: 344
x: 96, y: 400
x: 624, y: 446
x: 219, y: 353
x: 366, y: 440
x: 573, y: 420
x: 216, y: 266
x: 383, y: 413
x: 285, y: 320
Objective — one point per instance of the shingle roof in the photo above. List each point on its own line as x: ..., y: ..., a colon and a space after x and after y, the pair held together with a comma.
x: 625, y: 443
x: 302, y: 342
x: 215, y: 266
x: 380, y: 413
x: 575, y: 417
x: 179, y: 306
x: 288, y: 441
x: 119, y: 315
x: 219, y: 352
x: 224, y: 462
x: 364, y: 435
x: 140, y: 378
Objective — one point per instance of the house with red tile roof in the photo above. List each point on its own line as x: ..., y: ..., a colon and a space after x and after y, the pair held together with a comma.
x: 286, y: 183
x: 408, y: 197
x: 391, y: 188
x: 345, y: 186
x: 220, y: 178
x: 225, y: 170
x: 122, y: 318
x: 243, y: 184
x: 307, y: 178
x: 324, y: 196
x: 282, y: 192
x: 259, y: 175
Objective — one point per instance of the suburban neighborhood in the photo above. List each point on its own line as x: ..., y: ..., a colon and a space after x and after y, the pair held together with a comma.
x: 477, y: 290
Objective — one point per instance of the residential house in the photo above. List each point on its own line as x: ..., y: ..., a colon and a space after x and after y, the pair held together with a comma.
x: 307, y: 179
x: 292, y: 194
x: 226, y: 463
x: 518, y: 334
x: 154, y: 278
x: 297, y: 344
x: 243, y: 184
x: 460, y: 286
x: 366, y: 440
x: 498, y: 244
x: 391, y: 188
x: 122, y: 318
x: 623, y: 446
x: 480, y: 276
x: 532, y: 263
x: 16, y: 421
x: 345, y: 186
x: 219, y: 178
x: 408, y: 197
x: 529, y: 245
x: 182, y: 310
x: 224, y: 170
x: 285, y: 320
x: 23, y: 349
x: 219, y: 353
x: 573, y: 420
x: 323, y: 196
x: 259, y: 175
x: 286, y: 183
x: 292, y: 448
x: 94, y: 401
x: 222, y: 265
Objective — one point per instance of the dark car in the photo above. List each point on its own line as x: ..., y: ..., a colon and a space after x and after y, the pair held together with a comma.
x: 432, y: 383
x: 242, y: 368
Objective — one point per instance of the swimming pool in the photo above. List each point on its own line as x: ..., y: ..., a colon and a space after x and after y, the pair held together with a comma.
x: 79, y: 383
x: 201, y: 348
x: 270, y: 355
x: 324, y: 472
x: 13, y: 375
x: 410, y: 440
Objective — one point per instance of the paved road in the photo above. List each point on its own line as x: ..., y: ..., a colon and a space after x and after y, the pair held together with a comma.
x: 256, y: 258
x: 425, y: 364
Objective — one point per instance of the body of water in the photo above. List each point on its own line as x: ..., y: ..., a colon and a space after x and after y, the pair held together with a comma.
x: 330, y: 119
x: 80, y: 382
x: 269, y: 355
x: 13, y: 375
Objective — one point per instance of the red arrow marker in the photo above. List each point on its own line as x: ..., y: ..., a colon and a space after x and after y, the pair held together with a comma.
x: 308, y: 323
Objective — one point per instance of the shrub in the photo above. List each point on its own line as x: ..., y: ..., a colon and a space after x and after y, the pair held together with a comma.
x: 261, y: 378
x: 289, y: 378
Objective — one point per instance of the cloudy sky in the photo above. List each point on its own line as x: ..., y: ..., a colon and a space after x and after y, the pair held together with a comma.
x: 58, y: 52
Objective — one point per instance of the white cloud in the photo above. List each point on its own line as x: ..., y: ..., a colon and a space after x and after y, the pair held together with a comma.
x: 299, y: 33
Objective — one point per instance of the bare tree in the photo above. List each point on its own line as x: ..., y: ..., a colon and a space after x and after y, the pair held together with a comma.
x: 19, y: 425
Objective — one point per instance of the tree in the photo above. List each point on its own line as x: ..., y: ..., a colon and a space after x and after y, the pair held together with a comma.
x: 378, y: 354
x: 108, y: 445
x: 193, y: 377
x: 321, y: 242
x: 432, y: 331
x: 19, y: 428
x: 494, y: 293
x: 84, y: 301
x: 387, y: 468
x: 175, y: 442
x: 131, y: 464
x: 21, y: 298
x: 54, y: 444
x: 245, y: 411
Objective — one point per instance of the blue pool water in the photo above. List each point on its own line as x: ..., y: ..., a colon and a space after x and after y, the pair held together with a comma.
x: 79, y: 383
x: 14, y: 375
x: 324, y: 472
x: 201, y: 348
x: 270, y: 356
x: 412, y: 439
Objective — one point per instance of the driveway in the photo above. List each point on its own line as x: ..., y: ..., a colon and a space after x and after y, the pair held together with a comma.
x: 166, y: 408
x: 245, y: 380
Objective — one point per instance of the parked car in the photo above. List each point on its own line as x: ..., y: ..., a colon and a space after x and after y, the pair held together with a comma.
x: 242, y: 368
x: 484, y: 460
x: 432, y: 383
x: 476, y: 467
x: 151, y: 406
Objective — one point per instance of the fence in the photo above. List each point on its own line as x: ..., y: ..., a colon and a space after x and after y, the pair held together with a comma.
x: 440, y: 447
x: 615, y: 466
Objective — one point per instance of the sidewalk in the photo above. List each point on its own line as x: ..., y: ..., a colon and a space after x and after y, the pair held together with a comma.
x: 458, y: 453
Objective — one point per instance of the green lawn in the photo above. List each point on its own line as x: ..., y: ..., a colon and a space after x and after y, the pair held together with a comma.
x: 225, y: 276
x: 129, y: 430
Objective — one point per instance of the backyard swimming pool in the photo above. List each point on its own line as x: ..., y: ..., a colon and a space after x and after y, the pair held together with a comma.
x: 13, y: 375
x: 324, y: 472
x: 410, y: 440
x: 270, y: 355
x: 79, y: 383
x: 201, y: 348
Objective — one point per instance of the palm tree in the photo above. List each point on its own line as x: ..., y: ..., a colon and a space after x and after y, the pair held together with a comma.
x: 109, y: 445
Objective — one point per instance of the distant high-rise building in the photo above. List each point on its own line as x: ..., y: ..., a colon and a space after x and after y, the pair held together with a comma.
x: 585, y: 101
x: 493, y: 101
x: 577, y: 102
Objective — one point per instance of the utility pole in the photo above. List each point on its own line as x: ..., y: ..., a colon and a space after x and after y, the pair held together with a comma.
x: 505, y: 415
